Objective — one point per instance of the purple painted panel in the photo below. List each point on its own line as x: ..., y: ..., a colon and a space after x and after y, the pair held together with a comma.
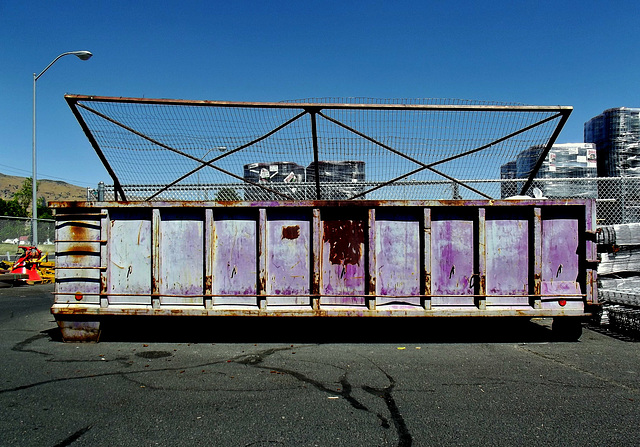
x: 452, y: 252
x: 507, y: 267
x: 235, y: 260
x: 560, y: 259
x: 343, y: 267
x: 181, y: 258
x: 288, y: 260
x: 129, y: 266
x: 132, y: 249
x: 398, y: 260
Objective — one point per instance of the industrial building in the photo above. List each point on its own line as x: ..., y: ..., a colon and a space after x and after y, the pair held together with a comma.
x: 616, y: 134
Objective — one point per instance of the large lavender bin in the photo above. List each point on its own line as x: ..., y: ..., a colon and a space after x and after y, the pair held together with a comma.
x: 527, y: 258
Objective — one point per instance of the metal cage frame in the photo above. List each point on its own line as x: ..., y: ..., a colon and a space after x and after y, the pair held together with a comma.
x: 314, y: 112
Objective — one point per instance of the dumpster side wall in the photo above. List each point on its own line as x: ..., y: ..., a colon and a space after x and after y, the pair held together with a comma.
x: 357, y: 258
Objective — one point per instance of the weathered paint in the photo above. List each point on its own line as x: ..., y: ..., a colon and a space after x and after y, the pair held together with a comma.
x: 181, y: 257
x: 507, y: 238
x: 129, y: 259
x: 343, y: 262
x: 398, y: 263
x: 288, y: 258
x: 234, y: 277
x: 560, y: 258
x: 453, y: 247
x: 366, y: 259
x: 78, y: 257
x: 79, y: 330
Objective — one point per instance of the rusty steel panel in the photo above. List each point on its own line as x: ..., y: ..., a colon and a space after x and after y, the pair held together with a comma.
x: 398, y: 254
x: 453, y: 245
x: 235, y: 254
x: 560, y: 259
x: 72, y: 330
x: 507, y: 238
x: 78, y: 258
x: 181, y: 257
x: 129, y: 265
x: 343, y: 262
x: 520, y: 258
x: 288, y: 258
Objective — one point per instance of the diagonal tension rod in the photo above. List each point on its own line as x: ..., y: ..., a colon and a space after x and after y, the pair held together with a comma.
x: 445, y: 160
x: 191, y: 157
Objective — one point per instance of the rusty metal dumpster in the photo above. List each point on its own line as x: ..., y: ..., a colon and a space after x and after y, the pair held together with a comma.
x: 330, y: 208
x: 527, y: 258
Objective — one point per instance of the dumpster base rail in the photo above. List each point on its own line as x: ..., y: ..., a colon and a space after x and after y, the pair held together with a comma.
x: 82, y: 323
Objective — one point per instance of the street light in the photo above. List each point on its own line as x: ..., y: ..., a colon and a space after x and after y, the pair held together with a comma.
x: 82, y: 55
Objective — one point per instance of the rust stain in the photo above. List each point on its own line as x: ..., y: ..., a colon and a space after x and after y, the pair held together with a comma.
x: 292, y: 232
x: 82, y: 248
x: 79, y: 233
x: 139, y: 232
x: 427, y: 284
x: 315, y: 284
x: 537, y: 286
x: 77, y: 252
x: 154, y: 285
x: 345, y: 238
x: 208, y: 282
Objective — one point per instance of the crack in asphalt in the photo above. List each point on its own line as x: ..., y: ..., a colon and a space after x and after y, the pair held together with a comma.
x: 242, y: 359
x: 22, y: 346
x: 576, y: 368
x: 251, y: 360
x: 404, y: 436
x: 74, y: 437
x: 109, y: 374
x: 263, y: 443
x: 385, y: 394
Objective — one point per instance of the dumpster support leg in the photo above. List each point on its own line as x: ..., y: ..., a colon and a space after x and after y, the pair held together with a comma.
x: 79, y: 330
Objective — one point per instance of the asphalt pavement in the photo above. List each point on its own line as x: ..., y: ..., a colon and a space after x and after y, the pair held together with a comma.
x: 311, y: 382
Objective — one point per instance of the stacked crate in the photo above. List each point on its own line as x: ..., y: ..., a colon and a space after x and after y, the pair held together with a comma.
x: 619, y: 275
x: 570, y: 160
x: 616, y: 134
x: 282, y: 176
x: 340, y: 180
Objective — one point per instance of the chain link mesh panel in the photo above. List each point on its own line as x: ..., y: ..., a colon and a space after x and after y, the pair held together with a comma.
x: 337, y: 149
x: 617, y: 199
x: 16, y: 231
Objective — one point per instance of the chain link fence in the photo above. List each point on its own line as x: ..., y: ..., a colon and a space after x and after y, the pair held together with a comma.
x: 16, y: 232
x: 617, y: 199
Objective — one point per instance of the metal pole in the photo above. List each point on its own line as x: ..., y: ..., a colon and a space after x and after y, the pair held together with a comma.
x: 34, y: 204
x: 82, y: 55
x: 316, y: 158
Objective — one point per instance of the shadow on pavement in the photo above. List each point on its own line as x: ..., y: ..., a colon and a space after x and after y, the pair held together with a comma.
x: 323, y: 330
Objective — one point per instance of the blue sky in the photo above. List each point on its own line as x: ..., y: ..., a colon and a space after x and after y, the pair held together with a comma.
x: 579, y: 53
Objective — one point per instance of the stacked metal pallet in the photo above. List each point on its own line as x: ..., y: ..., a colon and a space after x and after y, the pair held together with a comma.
x: 619, y: 276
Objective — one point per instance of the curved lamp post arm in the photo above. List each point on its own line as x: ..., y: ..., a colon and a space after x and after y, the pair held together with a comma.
x: 83, y: 55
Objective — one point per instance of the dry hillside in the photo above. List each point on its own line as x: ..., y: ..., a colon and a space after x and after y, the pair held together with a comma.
x: 51, y: 190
